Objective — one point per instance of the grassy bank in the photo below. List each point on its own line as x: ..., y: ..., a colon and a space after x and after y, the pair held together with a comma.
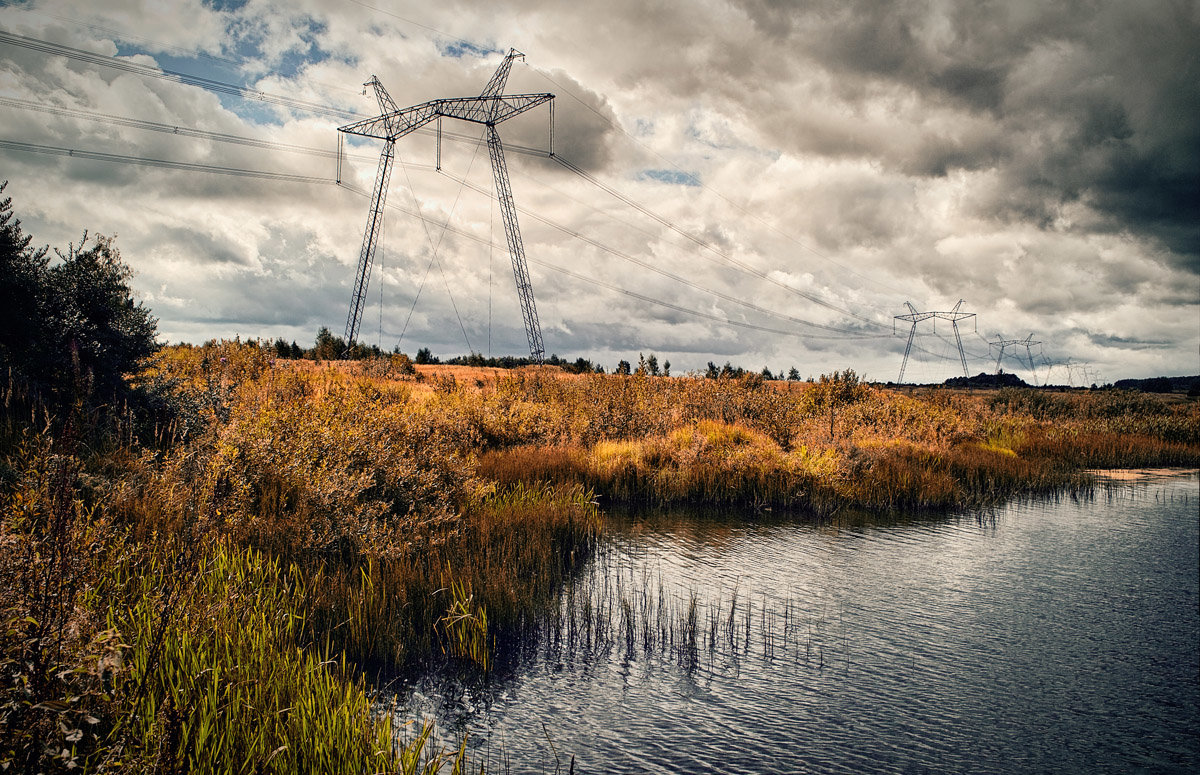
x: 813, y: 447
x: 204, y: 585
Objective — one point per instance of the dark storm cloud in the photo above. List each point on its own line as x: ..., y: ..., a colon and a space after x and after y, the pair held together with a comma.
x: 1092, y: 102
x: 584, y: 122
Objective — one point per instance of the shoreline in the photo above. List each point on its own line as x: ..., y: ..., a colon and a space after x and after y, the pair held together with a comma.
x: 1134, y: 475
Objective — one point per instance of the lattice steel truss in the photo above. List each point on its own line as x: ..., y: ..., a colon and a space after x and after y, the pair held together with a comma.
x: 915, y: 317
x: 490, y: 108
x: 1027, y: 342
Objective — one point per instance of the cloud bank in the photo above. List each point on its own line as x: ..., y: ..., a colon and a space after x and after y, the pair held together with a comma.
x: 761, y: 181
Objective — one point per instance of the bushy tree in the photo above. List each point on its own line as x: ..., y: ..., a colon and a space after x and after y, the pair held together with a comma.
x: 71, y: 328
x: 23, y: 299
x: 834, y: 392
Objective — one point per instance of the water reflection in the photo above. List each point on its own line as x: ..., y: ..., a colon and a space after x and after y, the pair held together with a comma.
x: 1047, y: 635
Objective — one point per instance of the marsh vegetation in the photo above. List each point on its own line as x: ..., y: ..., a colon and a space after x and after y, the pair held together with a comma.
x: 320, y: 524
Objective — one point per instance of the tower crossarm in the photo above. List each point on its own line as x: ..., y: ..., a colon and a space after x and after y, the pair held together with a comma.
x: 917, y: 317
x: 492, y: 110
x: 479, y: 110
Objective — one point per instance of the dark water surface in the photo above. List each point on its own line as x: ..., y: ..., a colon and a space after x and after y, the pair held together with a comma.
x: 1040, y: 637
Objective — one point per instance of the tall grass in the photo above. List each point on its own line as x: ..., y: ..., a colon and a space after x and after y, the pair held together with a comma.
x: 509, y: 558
x: 218, y: 673
x: 880, y: 450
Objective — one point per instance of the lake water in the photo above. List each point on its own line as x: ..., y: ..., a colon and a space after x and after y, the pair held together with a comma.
x: 1047, y: 636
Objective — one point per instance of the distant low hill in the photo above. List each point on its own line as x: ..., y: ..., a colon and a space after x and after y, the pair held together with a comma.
x: 1189, y: 385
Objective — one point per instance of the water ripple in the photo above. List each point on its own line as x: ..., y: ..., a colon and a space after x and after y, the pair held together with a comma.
x: 1046, y: 636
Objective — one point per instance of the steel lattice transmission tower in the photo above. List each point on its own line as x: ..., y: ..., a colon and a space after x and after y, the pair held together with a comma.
x: 1027, y: 342
x: 915, y: 317
x: 490, y: 108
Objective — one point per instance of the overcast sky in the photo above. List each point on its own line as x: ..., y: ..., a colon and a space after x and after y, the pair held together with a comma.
x: 765, y: 182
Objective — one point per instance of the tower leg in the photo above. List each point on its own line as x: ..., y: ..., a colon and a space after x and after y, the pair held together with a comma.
x: 366, y: 255
x: 907, y: 349
x: 533, y: 328
x: 962, y: 356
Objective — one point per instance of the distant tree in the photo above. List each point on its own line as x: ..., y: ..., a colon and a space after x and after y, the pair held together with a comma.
x: 766, y: 373
x: 622, y: 368
x: 328, y: 347
x: 652, y: 365
x: 281, y: 348
x: 712, y: 372
x: 666, y: 368
x: 296, y: 351
x: 424, y: 357
x: 729, y: 371
x: 1158, y: 385
x: 793, y: 375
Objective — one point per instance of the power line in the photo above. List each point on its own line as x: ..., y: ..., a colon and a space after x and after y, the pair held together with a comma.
x: 611, y: 286
x: 745, y: 211
x: 254, y: 94
x: 210, y: 84
x: 287, y: 177
x: 162, y: 163
x: 180, y: 130
x: 214, y: 85
x: 171, y: 129
x: 657, y: 270
x: 704, y: 244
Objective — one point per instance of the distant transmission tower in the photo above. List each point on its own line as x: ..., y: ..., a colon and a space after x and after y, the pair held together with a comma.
x: 490, y: 108
x: 915, y: 317
x: 1027, y: 342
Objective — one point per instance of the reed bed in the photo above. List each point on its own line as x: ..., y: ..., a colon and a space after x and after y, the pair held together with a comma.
x: 701, y: 441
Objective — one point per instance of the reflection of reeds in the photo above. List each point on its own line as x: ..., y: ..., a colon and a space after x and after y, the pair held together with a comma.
x: 510, y: 557
x: 614, y: 612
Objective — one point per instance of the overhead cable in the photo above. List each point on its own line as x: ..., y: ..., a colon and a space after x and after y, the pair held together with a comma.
x: 125, y: 65
x: 652, y: 268
x: 163, y: 163
x: 704, y: 244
